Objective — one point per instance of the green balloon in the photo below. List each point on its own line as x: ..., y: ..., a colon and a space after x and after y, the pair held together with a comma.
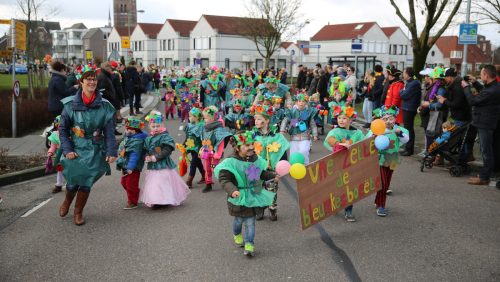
x: 297, y: 158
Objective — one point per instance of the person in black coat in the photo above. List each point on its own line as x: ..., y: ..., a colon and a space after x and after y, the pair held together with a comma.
x: 58, y: 89
x: 301, y: 78
x: 485, y: 115
x: 378, y: 87
x: 134, y: 87
x: 410, y: 95
x: 322, y: 88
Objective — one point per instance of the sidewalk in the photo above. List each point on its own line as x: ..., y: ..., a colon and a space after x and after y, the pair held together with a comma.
x: 35, y: 144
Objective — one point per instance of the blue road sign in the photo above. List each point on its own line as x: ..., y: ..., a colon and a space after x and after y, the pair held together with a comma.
x: 302, y: 46
x: 356, y: 45
x: 468, y: 34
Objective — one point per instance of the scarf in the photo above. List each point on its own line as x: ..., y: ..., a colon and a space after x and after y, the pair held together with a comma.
x: 86, y: 100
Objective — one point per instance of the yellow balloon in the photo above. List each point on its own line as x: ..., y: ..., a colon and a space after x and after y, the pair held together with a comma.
x: 378, y: 127
x: 298, y: 171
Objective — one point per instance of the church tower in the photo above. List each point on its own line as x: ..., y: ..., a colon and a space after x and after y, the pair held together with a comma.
x: 124, y: 13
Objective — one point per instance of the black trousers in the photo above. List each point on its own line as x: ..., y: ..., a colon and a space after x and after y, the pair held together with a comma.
x: 409, y: 120
x: 135, y: 101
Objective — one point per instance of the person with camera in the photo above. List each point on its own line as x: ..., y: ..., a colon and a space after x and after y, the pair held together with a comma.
x: 485, y: 114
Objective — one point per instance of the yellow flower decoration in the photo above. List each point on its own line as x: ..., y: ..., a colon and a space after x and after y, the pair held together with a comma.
x: 208, y: 144
x: 189, y: 143
x: 258, y: 147
x: 78, y: 131
x: 273, y: 147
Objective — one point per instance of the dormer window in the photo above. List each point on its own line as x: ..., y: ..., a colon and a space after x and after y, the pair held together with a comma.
x: 359, y: 26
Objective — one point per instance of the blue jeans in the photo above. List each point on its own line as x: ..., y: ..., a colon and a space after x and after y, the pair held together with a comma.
x: 249, y: 223
x: 368, y: 110
x: 486, y: 142
x: 75, y: 188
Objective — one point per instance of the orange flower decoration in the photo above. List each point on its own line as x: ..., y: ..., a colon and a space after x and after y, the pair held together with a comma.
x: 258, y: 147
x: 78, y: 131
x: 259, y: 109
x: 349, y: 111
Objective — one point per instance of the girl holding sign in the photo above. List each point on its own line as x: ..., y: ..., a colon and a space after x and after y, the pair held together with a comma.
x: 343, y: 136
x: 388, y: 151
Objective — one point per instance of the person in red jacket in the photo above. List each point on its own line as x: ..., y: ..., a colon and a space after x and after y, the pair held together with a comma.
x: 393, y: 97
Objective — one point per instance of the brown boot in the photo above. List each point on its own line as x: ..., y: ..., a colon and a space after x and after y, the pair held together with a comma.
x: 189, y: 182
x: 63, y: 210
x: 81, y: 200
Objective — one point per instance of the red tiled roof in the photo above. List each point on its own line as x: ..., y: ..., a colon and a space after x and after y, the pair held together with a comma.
x: 182, y: 27
x: 150, y: 29
x: 450, y: 43
x: 233, y: 25
x: 389, y: 30
x: 122, y: 31
x: 285, y: 44
x: 342, y: 31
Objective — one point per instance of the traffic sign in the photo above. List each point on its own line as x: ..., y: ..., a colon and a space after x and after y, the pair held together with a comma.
x: 2, y: 21
x: 16, y: 88
x: 89, y: 55
x: 356, y: 45
x: 5, y: 53
x: 468, y: 34
x: 20, y: 29
x: 302, y: 46
x: 125, y: 42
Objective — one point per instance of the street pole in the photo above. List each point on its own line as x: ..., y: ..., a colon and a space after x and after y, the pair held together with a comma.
x: 129, y: 42
x: 14, y: 106
x: 464, y: 62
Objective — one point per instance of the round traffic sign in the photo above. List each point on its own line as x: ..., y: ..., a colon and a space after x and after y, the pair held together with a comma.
x: 16, y: 88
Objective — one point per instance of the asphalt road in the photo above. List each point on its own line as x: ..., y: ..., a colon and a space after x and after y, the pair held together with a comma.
x: 438, y: 229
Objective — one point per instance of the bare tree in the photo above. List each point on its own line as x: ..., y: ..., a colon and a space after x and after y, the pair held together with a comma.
x: 433, y: 11
x: 281, y: 23
x: 32, y: 9
x: 486, y: 11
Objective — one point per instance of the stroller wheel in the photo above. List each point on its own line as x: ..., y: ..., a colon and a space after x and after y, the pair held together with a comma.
x: 428, y: 164
x: 456, y: 171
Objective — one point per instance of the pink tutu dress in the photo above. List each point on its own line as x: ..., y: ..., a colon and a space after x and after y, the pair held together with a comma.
x: 163, y: 185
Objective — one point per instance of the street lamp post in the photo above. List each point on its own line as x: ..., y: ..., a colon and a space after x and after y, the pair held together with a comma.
x: 300, y: 44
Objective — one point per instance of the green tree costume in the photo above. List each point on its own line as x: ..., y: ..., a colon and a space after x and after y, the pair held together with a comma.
x: 248, y: 176
x: 158, y: 145
x: 344, y: 135
x: 271, y: 146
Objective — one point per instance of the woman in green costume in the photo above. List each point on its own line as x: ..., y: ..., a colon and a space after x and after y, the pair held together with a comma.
x: 88, y: 143
x: 271, y: 146
x: 242, y: 176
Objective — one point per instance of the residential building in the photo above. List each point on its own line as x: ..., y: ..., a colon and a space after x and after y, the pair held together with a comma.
x: 448, y: 52
x: 173, y: 43
x: 94, y: 43
x: 361, y: 45
x: 68, y: 43
x: 221, y: 41
x: 290, y: 55
x: 114, y: 46
x: 144, y: 44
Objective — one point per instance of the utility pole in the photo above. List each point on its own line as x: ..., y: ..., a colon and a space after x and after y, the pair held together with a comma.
x: 464, y: 62
x: 14, y: 105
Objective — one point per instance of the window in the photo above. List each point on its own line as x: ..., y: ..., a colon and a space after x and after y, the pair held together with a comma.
x: 169, y: 44
x: 227, y: 63
x: 173, y: 44
x: 281, y: 63
x: 194, y: 43
x: 135, y: 45
x: 140, y: 45
x: 456, y: 54
x: 209, y: 43
x: 400, y: 49
x: 168, y: 62
x: 187, y: 61
x: 359, y: 26
x: 406, y: 49
x: 259, y: 64
x: 124, y: 7
x: 433, y: 53
x: 390, y: 48
x: 394, y: 49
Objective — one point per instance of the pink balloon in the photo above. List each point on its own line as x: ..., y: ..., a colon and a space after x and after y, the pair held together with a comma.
x: 282, y: 167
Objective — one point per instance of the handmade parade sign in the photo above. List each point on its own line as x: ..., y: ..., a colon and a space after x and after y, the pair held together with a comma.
x: 337, y: 181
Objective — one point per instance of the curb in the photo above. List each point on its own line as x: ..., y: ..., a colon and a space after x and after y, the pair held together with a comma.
x: 36, y: 172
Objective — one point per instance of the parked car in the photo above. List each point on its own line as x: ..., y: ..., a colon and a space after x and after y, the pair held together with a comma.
x: 20, y: 68
x: 4, y: 68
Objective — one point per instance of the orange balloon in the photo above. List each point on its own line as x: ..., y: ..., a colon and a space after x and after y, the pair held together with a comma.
x: 378, y: 127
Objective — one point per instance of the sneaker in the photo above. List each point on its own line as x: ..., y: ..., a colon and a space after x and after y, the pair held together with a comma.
x: 381, y: 212
x: 388, y: 192
x: 249, y: 250
x: 349, y: 217
x: 238, y: 240
x: 130, y: 207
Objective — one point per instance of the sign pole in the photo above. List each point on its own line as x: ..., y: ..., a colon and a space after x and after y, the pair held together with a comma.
x: 14, y: 106
x: 464, y: 62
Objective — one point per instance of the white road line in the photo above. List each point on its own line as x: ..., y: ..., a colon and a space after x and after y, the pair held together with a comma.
x: 35, y: 208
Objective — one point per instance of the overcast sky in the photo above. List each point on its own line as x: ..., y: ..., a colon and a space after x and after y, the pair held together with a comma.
x: 94, y: 13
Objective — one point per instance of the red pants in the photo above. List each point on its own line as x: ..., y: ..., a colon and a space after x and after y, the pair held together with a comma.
x: 207, y: 165
x: 386, y: 176
x: 169, y: 109
x: 130, y: 183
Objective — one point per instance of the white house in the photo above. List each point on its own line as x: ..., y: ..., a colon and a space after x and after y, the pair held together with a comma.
x: 144, y: 44
x: 173, y: 43
x: 293, y: 55
x: 371, y: 46
x: 115, y: 50
x: 221, y: 41
x: 400, y: 53
x: 68, y: 43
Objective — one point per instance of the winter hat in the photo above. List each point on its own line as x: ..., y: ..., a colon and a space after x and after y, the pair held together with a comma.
x: 210, y: 110
x: 263, y: 110
x: 195, y: 112
x: 438, y: 73
x: 384, y: 110
x: 426, y: 71
x: 347, y: 111
x: 394, y: 72
x: 246, y: 137
x: 450, y: 72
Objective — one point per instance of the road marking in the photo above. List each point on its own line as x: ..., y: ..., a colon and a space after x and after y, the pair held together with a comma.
x: 36, y: 208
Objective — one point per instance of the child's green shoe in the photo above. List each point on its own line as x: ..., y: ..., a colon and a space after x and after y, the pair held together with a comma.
x: 249, y: 249
x: 238, y: 240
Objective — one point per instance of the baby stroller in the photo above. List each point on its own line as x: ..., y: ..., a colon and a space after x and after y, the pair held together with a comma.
x: 451, y: 151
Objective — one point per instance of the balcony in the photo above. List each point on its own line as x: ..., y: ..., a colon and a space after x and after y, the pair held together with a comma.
x: 62, y: 42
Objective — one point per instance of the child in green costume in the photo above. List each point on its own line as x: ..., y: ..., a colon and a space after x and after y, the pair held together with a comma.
x: 242, y: 176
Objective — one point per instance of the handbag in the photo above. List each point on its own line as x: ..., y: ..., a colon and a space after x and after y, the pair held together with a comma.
x: 435, y: 123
